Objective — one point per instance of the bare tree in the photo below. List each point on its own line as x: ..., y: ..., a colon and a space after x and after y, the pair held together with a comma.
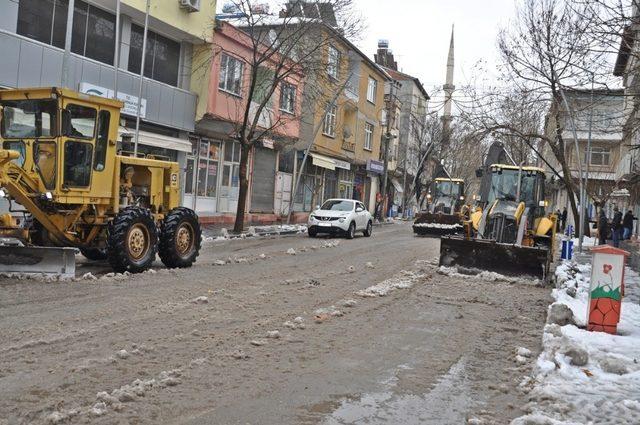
x: 288, y: 46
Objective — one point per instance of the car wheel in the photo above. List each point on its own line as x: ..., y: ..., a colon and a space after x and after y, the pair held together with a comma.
x: 351, y: 233
x: 369, y: 229
x: 312, y: 232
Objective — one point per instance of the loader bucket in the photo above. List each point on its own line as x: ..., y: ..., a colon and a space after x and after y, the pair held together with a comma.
x: 476, y: 255
x: 38, y: 260
x: 429, y: 224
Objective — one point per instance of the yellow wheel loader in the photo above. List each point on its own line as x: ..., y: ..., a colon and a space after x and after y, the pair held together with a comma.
x: 512, y: 235
x: 60, y: 169
x: 446, y: 209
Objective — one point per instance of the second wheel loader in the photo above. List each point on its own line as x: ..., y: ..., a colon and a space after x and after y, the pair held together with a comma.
x: 512, y: 235
x: 59, y: 164
x: 446, y: 210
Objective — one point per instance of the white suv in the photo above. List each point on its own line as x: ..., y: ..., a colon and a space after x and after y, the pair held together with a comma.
x: 344, y: 216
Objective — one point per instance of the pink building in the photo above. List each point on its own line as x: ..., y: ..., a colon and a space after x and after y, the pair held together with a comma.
x: 212, y: 185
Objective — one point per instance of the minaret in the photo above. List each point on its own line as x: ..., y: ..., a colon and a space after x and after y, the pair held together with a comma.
x: 448, y: 94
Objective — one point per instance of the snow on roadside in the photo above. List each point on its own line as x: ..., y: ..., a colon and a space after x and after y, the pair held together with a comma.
x: 438, y: 226
x: 586, y: 377
x: 587, y: 241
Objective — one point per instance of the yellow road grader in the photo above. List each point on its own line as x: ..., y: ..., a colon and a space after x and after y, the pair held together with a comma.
x: 69, y: 189
x: 511, y: 234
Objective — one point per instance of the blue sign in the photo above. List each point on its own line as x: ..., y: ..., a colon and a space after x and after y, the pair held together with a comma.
x: 374, y: 166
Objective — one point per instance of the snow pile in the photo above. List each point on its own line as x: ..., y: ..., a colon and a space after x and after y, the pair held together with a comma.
x: 330, y: 244
x: 291, y: 251
x: 297, y: 323
x: 405, y: 280
x: 581, y: 376
x: 438, y: 226
x: 587, y: 241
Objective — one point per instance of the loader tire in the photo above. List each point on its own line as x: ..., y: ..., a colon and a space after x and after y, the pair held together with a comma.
x: 132, y: 240
x: 180, y: 238
x: 95, y: 254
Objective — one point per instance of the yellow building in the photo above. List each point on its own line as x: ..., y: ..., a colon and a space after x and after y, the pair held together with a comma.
x: 345, y: 155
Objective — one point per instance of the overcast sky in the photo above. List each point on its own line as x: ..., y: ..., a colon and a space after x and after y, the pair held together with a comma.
x: 419, y: 31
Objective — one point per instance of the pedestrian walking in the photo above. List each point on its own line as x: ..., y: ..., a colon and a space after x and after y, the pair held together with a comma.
x: 602, y: 228
x: 558, y: 226
x: 627, y: 225
x: 563, y: 218
x: 616, y: 227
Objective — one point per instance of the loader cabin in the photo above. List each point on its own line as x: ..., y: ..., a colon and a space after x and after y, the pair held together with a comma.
x: 67, y: 142
x: 449, y: 187
x: 517, y: 184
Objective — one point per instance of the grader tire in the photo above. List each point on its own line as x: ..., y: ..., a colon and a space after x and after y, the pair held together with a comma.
x: 180, y: 238
x: 95, y: 254
x: 132, y: 240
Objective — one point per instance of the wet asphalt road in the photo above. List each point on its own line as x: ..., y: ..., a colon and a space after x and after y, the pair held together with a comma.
x: 435, y: 349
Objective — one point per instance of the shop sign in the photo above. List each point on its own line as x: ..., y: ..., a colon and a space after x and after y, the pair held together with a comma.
x: 130, y: 102
x: 374, y: 166
x: 267, y: 143
x: 342, y: 164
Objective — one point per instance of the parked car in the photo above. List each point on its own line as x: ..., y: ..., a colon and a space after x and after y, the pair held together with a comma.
x: 340, y: 216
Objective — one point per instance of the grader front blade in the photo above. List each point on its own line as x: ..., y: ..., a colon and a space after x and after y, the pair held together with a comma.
x: 476, y: 255
x: 37, y: 260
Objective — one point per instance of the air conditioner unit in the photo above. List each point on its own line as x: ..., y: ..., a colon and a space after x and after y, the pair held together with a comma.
x: 190, y: 5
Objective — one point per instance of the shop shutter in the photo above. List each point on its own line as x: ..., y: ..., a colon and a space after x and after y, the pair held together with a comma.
x: 264, y: 180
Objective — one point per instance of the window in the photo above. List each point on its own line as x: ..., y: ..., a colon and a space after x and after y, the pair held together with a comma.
x: 207, y: 174
x: 333, y: 62
x: 102, y: 141
x: 287, y: 97
x: 230, y: 75
x: 368, y: 136
x: 81, y: 121
x: 93, y: 33
x: 329, y: 128
x: 162, y: 56
x: 262, y: 89
x: 28, y: 118
x: 19, y: 147
x: 77, y: 164
x: 600, y: 156
x: 44, y: 157
x: 372, y: 88
x: 43, y: 20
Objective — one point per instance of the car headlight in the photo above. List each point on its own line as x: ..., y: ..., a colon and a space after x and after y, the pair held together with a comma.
x: 462, y: 198
x: 341, y: 220
x: 312, y: 218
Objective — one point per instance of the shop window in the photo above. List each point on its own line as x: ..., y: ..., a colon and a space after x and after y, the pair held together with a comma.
x: 44, y: 157
x: 77, y: 164
x: 188, y: 181
x: 162, y: 56
x: 285, y: 162
x: 102, y: 142
x: 207, y: 174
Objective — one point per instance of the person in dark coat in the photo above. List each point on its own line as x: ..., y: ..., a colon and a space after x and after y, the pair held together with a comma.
x: 602, y: 228
x: 627, y: 225
x: 616, y: 227
x: 563, y: 219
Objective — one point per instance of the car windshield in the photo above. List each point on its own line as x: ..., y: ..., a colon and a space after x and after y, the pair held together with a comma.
x: 337, y: 205
x: 28, y: 118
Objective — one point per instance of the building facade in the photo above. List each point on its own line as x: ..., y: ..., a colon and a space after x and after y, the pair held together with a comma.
x: 212, y: 181
x: 413, y: 99
x: 598, y: 119
x: 32, y: 36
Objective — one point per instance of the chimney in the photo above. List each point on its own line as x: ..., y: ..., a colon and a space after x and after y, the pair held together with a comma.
x: 384, y: 56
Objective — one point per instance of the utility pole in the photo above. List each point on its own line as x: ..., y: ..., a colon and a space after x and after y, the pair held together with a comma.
x: 66, y: 57
x: 387, y: 138
x: 116, y: 55
x: 144, y: 54
x: 588, y: 161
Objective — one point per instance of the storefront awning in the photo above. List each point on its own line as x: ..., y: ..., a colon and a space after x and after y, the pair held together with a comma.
x: 157, y: 140
x: 323, y: 161
x: 396, y: 184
